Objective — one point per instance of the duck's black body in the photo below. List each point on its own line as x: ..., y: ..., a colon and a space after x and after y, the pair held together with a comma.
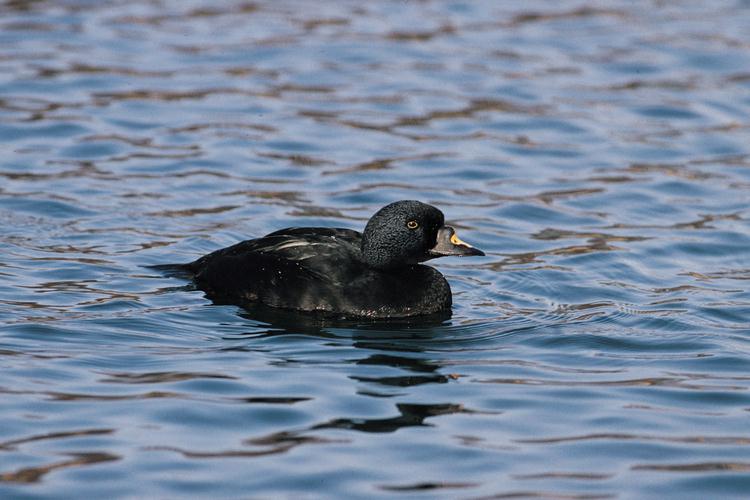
x: 319, y: 269
x: 340, y: 272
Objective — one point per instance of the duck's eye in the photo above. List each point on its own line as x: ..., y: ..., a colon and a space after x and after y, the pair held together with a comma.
x: 412, y: 224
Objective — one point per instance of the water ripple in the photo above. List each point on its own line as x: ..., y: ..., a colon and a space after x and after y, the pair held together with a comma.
x: 598, y: 154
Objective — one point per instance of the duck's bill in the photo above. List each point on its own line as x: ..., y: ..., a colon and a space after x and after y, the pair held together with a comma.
x: 448, y: 243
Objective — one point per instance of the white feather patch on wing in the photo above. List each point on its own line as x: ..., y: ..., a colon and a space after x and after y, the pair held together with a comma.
x: 291, y: 244
x: 297, y: 255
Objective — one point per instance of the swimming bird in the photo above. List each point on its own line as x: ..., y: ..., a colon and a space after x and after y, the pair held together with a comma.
x: 341, y: 272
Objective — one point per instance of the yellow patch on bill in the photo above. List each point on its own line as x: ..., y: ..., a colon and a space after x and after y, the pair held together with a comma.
x: 457, y: 241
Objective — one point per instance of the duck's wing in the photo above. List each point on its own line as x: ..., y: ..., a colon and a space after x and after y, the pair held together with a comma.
x: 295, y: 257
x: 349, y: 235
x: 314, y: 244
x: 294, y: 243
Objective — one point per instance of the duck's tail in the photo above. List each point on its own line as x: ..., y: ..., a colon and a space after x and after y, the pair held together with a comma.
x: 175, y: 270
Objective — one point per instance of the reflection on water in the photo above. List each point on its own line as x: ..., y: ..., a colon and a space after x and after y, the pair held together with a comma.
x: 598, y: 152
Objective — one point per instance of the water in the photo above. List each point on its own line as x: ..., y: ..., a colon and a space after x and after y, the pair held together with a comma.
x: 599, y: 154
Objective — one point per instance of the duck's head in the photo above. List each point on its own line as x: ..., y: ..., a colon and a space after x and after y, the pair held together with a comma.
x: 407, y: 232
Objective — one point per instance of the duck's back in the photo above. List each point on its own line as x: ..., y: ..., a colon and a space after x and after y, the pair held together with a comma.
x: 318, y: 269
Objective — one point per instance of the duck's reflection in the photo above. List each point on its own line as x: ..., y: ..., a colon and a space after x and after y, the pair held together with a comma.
x: 396, y: 349
x: 391, y: 345
x: 426, y: 372
x: 397, y: 346
x: 410, y: 415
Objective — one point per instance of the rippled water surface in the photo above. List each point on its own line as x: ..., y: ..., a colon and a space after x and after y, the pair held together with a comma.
x: 599, y: 153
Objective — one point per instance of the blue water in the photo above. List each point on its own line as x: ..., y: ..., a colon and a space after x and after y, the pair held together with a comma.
x: 599, y: 153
